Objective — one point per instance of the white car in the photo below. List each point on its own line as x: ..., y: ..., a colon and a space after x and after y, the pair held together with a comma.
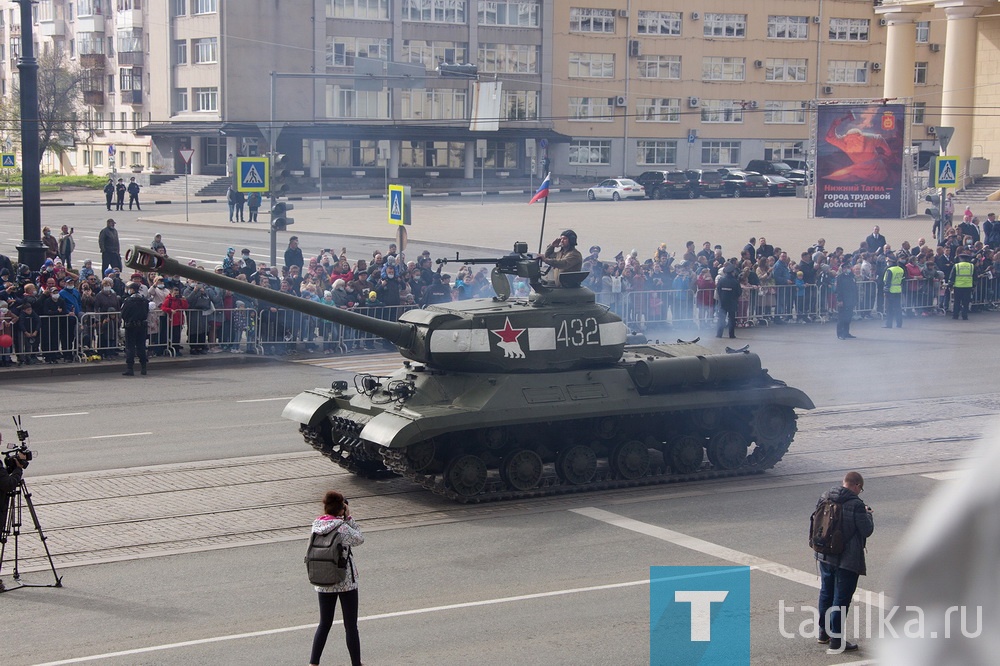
x: 617, y: 189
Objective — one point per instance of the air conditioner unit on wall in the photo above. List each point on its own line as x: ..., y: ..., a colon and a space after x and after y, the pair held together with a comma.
x: 758, y: 63
x: 695, y: 16
x: 817, y: 19
x: 931, y: 130
x: 934, y: 47
x: 621, y: 100
x: 634, y: 48
x: 827, y: 90
x: 693, y: 102
x: 883, y: 22
x: 622, y: 13
x: 752, y: 104
x: 876, y: 67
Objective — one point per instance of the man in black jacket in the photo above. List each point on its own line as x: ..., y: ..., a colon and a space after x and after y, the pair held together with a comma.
x: 135, y: 311
x: 876, y: 242
x: 846, y: 290
x: 839, y: 573
x: 727, y: 293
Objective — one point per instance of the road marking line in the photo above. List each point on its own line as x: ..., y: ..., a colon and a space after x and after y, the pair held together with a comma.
x: 947, y: 476
x: 265, y: 399
x: 124, y: 434
x: 717, y: 551
x: 49, y: 416
x: 368, y: 618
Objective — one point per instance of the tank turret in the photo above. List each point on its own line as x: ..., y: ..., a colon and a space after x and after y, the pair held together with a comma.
x: 556, y: 328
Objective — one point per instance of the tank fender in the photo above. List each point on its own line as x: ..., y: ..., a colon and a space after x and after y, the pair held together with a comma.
x: 664, y: 374
x: 309, y: 408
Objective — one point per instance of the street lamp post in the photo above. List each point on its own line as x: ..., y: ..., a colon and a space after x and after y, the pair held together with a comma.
x: 31, y: 250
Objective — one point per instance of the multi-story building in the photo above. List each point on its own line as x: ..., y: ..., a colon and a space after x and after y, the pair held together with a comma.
x: 105, y: 41
x: 600, y: 88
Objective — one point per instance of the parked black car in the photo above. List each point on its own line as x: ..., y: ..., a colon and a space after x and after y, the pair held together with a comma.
x: 780, y: 186
x: 778, y: 168
x: 705, y: 183
x: 745, y: 184
x: 665, y: 184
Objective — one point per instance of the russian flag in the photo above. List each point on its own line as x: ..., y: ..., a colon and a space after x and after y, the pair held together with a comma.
x: 543, y: 190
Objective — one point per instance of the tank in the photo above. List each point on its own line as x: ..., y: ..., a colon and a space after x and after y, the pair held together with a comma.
x: 502, y: 398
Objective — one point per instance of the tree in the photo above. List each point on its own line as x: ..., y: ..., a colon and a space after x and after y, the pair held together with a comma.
x: 59, y: 103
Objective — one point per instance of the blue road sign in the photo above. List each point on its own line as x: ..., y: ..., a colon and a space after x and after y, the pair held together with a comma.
x: 399, y: 204
x: 946, y: 172
x: 9, y: 161
x: 253, y: 174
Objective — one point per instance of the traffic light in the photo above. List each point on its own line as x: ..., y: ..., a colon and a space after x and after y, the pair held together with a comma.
x: 279, y: 174
x: 279, y: 216
x: 935, y: 209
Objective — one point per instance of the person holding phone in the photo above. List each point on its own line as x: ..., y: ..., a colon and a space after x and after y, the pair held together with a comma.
x: 338, y: 517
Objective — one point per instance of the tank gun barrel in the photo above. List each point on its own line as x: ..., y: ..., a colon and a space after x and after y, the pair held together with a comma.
x: 519, y: 263
x: 400, y: 334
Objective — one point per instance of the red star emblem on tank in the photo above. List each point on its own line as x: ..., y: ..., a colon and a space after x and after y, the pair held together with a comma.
x: 509, y: 340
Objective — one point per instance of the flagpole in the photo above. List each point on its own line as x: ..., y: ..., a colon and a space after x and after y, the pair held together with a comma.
x: 541, y: 236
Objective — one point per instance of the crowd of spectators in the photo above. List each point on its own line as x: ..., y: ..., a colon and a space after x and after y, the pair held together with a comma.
x: 54, y: 313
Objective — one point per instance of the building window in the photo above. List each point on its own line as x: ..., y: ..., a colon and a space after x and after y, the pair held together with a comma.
x: 508, y: 58
x: 788, y: 27
x: 599, y: 109
x: 434, y: 11
x: 721, y: 111
x: 725, y: 25
x: 659, y: 23
x: 520, y: 105
x: 98, y: 158
x: 919, y: 112
x: 180, y: 100
x: 509, y: 13
x: 349, y: 103
x: 206, y: 50
x: 130, y: 41
x: 432, y: 54
x: 432, y: 154
x: 341, y: 51
x: 213, y: 151
x: 440, y: 104
x: 720, y: 152
x: 15, y: 48
x: 590, y: 151
x: 205, y: 6
x: 717, y: 68
x: 786, y: 69
x: 180, y: 52
x: 130, y: 78
x: 129, y: 5
x: 179, y: 7
x: 784, y: 112
x: 660, y: 67
x: 111, y: 87
x: 659, y: 110
x: 206, y: 99
x: 849, y: 30
x: 591, y: 65
x: 847, y: 71
x: 920, y: 73
x: 783, y: 150
x: 656, y: 153
x: 923, y: 32
x: 358, y: 9
x: 589, y: 19
x: 88, y: 8
x: 135, y: 157
x: 136, y: 124
x: 90, y: 43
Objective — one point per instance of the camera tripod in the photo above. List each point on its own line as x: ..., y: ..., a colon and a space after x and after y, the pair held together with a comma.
x: 11, y: 523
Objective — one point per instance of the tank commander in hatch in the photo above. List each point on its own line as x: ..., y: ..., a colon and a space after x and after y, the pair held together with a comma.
x: 562, y: 255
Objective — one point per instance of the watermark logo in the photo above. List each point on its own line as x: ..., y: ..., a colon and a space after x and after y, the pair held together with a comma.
x: 699, y: 616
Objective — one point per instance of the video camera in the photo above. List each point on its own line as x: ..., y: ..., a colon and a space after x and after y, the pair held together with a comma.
x: 12, y: 450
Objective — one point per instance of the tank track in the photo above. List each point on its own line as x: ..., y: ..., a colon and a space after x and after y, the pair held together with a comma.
x: 395, y: 462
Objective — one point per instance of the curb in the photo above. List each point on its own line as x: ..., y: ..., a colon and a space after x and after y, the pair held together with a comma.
x: 118, y: 365
x: 54, y: 203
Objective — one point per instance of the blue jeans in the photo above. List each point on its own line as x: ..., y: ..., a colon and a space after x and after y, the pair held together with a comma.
x: 837, y: 587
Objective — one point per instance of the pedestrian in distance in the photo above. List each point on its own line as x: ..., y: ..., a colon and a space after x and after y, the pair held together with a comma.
x: 839, y: 573
x: 120, y: 191
x: 241, y: 200
x: 107, y: 242
x: 253, y: 203
x: 66, y: 246
x: 109, y: 192
x: 135, y: 316
x: 337, y: 517
x: 846, y: 290
x: 727, y: 295
x: 892, y: 281
x: 231, y: 201
x: 961, y: 281
x: 133, y: 193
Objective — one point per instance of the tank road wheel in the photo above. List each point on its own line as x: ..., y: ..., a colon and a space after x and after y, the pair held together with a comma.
x: 630, y: 460
x: 576, y: 465
x: 686, y: 454
x: 773, y: 423
x: 466, y: 475
x: 727, y: 449
x: 707, y: 420
x: 522, y: 469
x: 606, y: 428
x: 493, y: 439
x: 421, y: 455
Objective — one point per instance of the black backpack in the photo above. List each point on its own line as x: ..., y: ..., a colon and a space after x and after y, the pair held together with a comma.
x: 826, y: 528
x: 328, y: 559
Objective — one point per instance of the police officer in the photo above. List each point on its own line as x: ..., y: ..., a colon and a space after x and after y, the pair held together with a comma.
x: 893, y: 287
x: 727, y: 293
x: 961, y: 283
x: 135, y: 310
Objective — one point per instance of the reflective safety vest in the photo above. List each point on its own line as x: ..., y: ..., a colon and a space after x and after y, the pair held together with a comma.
x: 894, y: 279
x: 963, y: 274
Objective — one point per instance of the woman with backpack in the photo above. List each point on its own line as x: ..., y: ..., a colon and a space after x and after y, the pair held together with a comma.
x: 338, y: 519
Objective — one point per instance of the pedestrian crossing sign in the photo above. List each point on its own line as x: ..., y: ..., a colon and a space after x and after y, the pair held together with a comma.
x: 946, y: 172
x: 252, y: 174
x: 9, y: 161
x: 399, y: 204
